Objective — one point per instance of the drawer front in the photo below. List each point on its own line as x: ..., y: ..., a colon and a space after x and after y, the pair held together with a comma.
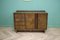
x: 20, y: 27
x: 19, y: 17
x: 19, y: 20
x: 19, y: 23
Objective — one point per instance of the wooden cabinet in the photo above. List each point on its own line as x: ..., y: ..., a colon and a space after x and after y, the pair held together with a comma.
x: 30, y: 21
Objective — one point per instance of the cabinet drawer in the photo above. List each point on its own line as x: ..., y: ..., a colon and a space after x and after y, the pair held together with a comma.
x: 19, y: 15
x: 19, y: 20
x: 20, y: 27
x: 19, y: 23
x: 41, y: 26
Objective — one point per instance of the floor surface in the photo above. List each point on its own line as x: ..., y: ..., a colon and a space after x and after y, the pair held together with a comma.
x: 9, y: 34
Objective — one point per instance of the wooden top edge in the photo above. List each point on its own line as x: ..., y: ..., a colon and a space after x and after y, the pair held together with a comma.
x: 30, y: 11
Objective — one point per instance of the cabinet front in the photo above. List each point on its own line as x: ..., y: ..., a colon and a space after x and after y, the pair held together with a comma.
x: 19, y: 21
x: 30, y: 21
x: 42, y: 21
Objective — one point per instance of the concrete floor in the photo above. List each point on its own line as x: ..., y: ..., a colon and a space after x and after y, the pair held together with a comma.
x: 9, y: 34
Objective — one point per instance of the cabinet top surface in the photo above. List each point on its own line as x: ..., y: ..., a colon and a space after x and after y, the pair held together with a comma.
x: 31, y: 11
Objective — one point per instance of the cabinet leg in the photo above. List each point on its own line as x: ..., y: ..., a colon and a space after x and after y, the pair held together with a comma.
x: 43, y: 31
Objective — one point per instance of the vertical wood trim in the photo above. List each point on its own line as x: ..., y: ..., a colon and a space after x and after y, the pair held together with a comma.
x: 36, y: 21
x: 14, y: 21
x: 46, y: 20
x: 25, y: 20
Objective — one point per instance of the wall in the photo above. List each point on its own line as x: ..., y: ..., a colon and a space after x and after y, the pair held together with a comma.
x: 0, y: 12
x: 10, y: 6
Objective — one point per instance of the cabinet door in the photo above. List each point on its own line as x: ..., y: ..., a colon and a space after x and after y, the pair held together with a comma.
x: 19, y: 21
x: 42, y: 21
x: 30, y: 21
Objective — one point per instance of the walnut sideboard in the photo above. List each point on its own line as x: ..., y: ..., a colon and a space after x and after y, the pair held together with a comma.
x: 30, y: 21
